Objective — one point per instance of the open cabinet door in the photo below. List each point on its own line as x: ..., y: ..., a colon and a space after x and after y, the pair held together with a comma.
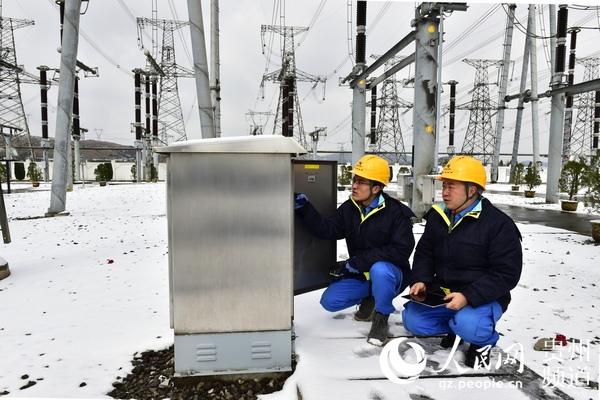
x: 313, y: 257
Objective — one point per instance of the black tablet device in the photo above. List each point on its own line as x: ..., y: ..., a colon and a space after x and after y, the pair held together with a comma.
x: 433, y: 298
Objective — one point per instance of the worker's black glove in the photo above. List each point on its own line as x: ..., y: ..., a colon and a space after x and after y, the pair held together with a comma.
x: 343, y: 269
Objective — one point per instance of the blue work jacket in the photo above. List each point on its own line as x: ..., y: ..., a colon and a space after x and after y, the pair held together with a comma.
x: 384, y: 234
x: 480, y: 255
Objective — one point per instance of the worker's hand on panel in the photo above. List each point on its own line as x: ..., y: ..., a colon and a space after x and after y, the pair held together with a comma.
x: 300, y: 200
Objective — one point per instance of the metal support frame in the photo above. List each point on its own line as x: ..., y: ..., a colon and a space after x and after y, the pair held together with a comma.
x: 12, y: 111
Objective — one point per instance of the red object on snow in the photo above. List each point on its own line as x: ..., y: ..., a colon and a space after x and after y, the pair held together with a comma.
x: 561, y: 339
x: 110, y: 261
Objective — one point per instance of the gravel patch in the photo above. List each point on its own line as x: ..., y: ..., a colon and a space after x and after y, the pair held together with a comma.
x: 152, y: 378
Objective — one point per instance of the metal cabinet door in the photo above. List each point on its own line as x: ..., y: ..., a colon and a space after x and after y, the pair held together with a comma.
x: 313, y: 257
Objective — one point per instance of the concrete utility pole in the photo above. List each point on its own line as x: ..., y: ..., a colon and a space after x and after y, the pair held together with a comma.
x: 520, y: 107
x: 215, y: 79
x: 205, y: 106
x: 359, y: 94
x: 558, y: 109
x: 424, y: 114
x: 502, y: 92
x: 531, y: 30
x: 68, y: 60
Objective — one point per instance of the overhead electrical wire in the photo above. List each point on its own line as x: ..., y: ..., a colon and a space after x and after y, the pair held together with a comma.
x: 470, y: 29
x: 313, y: 21
x: 547, y: 50
x: 524, y: 29
x: 95, y: 46
x: 183, y: 41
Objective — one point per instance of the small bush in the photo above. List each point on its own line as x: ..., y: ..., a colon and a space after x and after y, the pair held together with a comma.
x: 345, y: 176
x: 516, y: 177
x: 591, y: 179
x: 532, y: 177
x: 570, y: 176
x: 104, y: 172
x: 34, y: 173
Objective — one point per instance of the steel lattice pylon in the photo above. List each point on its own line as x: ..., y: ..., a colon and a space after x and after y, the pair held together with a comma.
x: 389, y: 142
x: 480, y: 138
x: 288, y: 117
x: 170, y: 116
x: 12, y: 113
x: 582, y: 135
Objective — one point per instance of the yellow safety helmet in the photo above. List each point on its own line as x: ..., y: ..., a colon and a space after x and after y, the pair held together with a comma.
x: 465, y: 169
x: 374, y: 168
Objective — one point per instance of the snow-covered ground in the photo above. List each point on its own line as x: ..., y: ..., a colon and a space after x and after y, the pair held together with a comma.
x: 90, y: 289
x: 537, y: 202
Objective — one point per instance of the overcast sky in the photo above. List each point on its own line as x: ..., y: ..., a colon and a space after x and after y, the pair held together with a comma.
x: 109, y: 41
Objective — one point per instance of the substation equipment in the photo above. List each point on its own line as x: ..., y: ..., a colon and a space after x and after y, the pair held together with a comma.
x: 236, y: 255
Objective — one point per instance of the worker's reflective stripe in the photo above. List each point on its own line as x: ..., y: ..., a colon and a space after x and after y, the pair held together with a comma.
x: 473, y: 214
x: 364, y: 217
x: 373, y: 211
x: 440, y: 211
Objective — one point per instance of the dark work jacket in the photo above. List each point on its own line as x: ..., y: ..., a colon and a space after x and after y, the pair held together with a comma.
x: 480, y: 256
x: 385, y: 234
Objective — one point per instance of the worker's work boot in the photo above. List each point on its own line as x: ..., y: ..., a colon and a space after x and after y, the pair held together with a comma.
x: 365, y: 309
x: 379, y: 329
x: 477, y: 355
x: 4, y: 271
x: 448, y: 341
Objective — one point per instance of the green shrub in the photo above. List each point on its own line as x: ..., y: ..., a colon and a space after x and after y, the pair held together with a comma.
x: 34, y: 173
x: 516, y: 178
x: 532, y: 177
x: 345, y: 176
x: 571, y: 176
x: 104, y: 172
x: 153, y: 173
x: 591, y: 180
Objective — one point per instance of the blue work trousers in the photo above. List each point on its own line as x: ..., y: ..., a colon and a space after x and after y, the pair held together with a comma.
x: 385, y: 282
x: 476, y: 325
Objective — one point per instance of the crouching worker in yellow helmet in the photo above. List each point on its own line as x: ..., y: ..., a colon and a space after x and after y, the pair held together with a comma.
x: 471, y: 252
x: 378, y: 232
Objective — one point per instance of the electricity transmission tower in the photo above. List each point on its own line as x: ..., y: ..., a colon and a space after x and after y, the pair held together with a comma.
x: 12, y: 113
x: 288, y: 119
x: 582, y: 135
x: 258, y: 120
x: 480, y: 138
x: 388, y: 135
x: 170, y: 116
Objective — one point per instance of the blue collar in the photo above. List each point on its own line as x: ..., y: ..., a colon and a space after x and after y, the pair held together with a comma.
x: 374, y: 204
x: 455, y: 218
